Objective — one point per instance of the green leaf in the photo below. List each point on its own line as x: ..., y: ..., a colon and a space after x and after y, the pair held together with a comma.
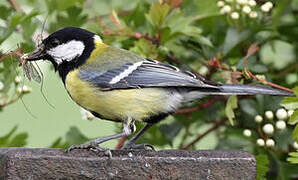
x: 4, y: 139
x: 230, y: 106
x: 74, y: 136
x: 59, y: 144
x: 283, y: 139
x: 179, y: 24
x: 233, y: 37
x: 157, y: 14
x: 294, y: 118
x: 248, y: 106
x: 19, y: 140
x: 144, y: 48
x: 171, y: 130
x: 61, y: 5
x: 290, y: 103
x: 12, y: 140
x: 293, y: 157
x: 295, y: 133
x: 5, y: 12
x: 279, y: 53
x: 262, y: 166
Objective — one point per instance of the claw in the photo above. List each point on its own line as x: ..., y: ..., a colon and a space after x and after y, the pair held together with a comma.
x: 90, y: 146
x: 139, y: 146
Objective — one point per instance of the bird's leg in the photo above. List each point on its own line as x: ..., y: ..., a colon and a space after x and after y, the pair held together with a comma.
x: 130, y: 144
x: 128, y: 128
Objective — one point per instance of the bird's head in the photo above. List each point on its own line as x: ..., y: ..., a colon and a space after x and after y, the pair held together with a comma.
x: 66, y: 48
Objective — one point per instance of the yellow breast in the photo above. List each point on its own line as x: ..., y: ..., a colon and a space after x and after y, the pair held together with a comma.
x: 117, y: 105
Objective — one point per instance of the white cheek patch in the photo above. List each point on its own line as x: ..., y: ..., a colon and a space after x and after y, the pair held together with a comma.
x: 67, y: 51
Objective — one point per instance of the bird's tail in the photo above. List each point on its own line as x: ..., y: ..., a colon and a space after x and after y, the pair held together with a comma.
x: 238, y: 89
x: 232, y: 89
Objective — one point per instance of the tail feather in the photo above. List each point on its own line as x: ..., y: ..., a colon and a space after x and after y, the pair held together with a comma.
x: 237, y: 89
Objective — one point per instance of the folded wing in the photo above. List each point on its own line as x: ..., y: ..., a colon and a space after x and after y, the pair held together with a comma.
x: 147, y: 73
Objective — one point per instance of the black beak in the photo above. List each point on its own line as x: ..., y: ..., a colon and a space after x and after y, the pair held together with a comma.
x: 38, y: 54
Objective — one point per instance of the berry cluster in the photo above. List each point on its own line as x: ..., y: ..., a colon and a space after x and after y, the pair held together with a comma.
x: 18, y: 92
x: 246, y: 8
x: 267, y: 128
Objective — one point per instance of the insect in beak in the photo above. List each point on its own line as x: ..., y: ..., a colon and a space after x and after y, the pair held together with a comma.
x: 28, y: 68
x: 37, y: 54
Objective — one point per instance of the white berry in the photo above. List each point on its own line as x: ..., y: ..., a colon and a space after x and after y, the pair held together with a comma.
x: 20, y: 90
x: 220, y: 3
x: 252, y: 3
x: 260, y: 142
x: 269, y: 115
x: 235, y: 15
x: 258, y: 118
x: 270, y: 143
x: 241, y: 2
x: 226, y: 9
x: 247, y: 132
x: 269, y: 4
x: 295, y: 145
x: 1, y: 85
x: 18, y: 79
x: 246, y: 9
x: 280, y: 124
x: 26, y: 89
x: 253, y: 14
x: 268, y: 129
x: 266, y: 7
x: 281, y: 114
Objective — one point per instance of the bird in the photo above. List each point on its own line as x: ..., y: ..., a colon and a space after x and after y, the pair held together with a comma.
x: 117, y: 85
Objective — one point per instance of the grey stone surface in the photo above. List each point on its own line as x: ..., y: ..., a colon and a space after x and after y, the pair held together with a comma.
x: 29, y: 163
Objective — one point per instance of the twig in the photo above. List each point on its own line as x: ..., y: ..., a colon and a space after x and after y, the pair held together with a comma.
x: 17, y: 52
x: 215, y: 63
x: 269, y: 83
x: 292, y: 67
x: 154, y: 40
x: 175, y: 59
x: 196, y: 108
x: 15, y: 5
x: 121, y: 142
x: 11, y: 101
x: 214, y: 127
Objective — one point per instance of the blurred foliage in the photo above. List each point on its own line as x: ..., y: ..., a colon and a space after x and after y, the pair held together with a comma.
x: 188, y: 34
x: 12, y: 139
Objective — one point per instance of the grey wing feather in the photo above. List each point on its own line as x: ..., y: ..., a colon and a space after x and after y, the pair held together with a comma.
x: 148, y: 73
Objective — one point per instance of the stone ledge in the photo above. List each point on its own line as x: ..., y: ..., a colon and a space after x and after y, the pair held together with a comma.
x: 42, y: 163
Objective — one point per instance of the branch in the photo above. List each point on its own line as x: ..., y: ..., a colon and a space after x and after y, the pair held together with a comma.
x: 215, y: 63
x: 214, y: 127
x: 121, y: 142
x: 269, y: 83
x: 15, y: 5
x: 17, y: 53
x: 154, y: 40
x: 196, y: 108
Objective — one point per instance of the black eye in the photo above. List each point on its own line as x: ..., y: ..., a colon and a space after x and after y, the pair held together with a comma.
x: 54, y: 42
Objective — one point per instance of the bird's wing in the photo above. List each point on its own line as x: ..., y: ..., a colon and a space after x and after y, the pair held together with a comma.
x: 147, y: 73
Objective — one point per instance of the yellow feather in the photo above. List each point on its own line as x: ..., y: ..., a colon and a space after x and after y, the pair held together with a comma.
x: 100, y: 47
x: 116, y: 105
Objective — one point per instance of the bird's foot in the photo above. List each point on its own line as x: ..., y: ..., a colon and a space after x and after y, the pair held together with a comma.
x: 92, y: 146
x: 139, y: 146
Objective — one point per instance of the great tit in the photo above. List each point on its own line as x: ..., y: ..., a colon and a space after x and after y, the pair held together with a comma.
x: 118, y: 85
